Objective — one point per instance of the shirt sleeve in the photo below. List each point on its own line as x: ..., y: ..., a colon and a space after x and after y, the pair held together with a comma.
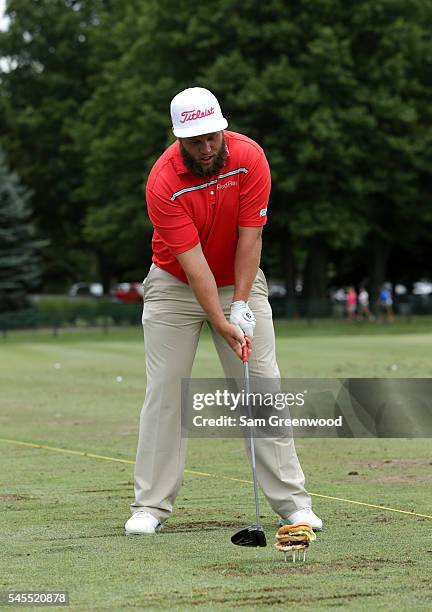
x: 172, y: 223
x: 254, y: 194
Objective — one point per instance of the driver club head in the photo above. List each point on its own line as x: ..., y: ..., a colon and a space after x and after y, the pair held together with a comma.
x: 250, y: 536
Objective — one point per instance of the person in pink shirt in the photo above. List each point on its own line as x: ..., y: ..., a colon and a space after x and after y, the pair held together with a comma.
x: 351, y: 303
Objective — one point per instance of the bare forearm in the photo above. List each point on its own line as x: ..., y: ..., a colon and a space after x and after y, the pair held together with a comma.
x: 203, y: 285
x: 247, y: 261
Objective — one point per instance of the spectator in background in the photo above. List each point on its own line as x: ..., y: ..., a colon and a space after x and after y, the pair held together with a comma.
x: 351, y: 303
x: 385, y: 303
x: 363, y: 305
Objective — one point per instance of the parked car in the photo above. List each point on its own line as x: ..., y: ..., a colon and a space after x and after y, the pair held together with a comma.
x: 86, y: 290
x: 276, y: 288
x: 422, y: 287
x: 129, y: 292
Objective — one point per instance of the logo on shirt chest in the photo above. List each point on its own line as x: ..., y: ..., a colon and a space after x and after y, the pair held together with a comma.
x: 227, y: 184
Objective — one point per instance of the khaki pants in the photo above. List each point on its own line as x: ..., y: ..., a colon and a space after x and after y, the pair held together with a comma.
x: 172, y: 321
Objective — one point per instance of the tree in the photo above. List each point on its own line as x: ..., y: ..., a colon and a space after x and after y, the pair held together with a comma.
x: 19, y: 268
x: 47, y: 48
x: 122, y: 128
x: 294, y: 76
x: 336, y: 91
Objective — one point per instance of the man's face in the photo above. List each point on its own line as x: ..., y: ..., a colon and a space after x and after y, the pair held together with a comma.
x: 204, y: 155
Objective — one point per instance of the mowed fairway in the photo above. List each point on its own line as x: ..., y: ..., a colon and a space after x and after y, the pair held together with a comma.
x: 62, y: 514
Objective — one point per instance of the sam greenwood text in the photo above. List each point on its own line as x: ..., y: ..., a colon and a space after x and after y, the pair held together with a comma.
x: 271, y: 421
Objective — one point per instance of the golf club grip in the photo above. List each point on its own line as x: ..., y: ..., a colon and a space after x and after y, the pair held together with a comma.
x: 245, y: 353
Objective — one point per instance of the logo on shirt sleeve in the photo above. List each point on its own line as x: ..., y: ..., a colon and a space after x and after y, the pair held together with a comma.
x: 263, y: 212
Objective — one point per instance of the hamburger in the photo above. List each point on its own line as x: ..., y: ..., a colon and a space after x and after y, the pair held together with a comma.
x: 293, y: 538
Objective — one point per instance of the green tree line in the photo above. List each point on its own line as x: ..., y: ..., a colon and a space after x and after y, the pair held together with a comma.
x: 19, y: 269
x: 338, y: 92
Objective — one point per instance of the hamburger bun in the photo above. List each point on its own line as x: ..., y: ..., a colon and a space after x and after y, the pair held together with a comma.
x: 287, y: 547
x: 296, y: 527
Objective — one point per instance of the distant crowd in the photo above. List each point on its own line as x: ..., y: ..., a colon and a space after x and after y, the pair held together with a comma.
x: 357, y: 305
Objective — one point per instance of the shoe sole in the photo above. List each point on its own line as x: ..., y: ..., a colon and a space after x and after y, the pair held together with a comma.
x: 157, y: 529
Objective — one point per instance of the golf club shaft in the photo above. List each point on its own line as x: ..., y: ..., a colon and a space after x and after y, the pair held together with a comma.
x: 252, y: 443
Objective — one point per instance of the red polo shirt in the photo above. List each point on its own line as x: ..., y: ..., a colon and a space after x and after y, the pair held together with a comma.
x: 186, y: 209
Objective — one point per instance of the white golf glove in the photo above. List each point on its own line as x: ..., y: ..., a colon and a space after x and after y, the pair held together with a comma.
x: 242, y: 316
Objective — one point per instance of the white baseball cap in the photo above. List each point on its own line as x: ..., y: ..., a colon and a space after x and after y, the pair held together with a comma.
x: 196, y: 111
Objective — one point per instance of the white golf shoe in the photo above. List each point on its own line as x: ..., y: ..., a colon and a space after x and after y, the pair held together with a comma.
x: 142, y: 522
x: 305, y: 515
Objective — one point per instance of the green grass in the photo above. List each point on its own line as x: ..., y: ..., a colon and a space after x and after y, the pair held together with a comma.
x: 63, y: 514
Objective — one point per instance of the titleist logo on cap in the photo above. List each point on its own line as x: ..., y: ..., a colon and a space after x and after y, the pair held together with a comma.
x: 190, y: 115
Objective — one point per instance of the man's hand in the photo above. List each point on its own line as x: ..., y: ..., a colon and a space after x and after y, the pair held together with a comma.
x: 242, y: 316
x: 234, y: 337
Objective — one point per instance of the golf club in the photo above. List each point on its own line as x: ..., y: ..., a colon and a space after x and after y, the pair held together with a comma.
x: 254, y: 534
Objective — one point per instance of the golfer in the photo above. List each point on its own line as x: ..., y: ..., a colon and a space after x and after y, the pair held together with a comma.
x: 207, y: 198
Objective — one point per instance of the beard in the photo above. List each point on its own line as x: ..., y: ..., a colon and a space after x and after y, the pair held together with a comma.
x: 196, y: 168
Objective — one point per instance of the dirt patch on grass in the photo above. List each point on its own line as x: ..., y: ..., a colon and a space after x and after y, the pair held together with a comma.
x: 403, y: 463
x: 382, y: 518
x: 267, y: 597
x: 14, y: 497
x: 401, y: 477
x: 394, y: 471
x: 202, y: 526
x: 408, y: 478
x: 69, y: 422
x: 311, y: 567
x: 64, y: 549
x: 67, y: 538
x: 98, y: 491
